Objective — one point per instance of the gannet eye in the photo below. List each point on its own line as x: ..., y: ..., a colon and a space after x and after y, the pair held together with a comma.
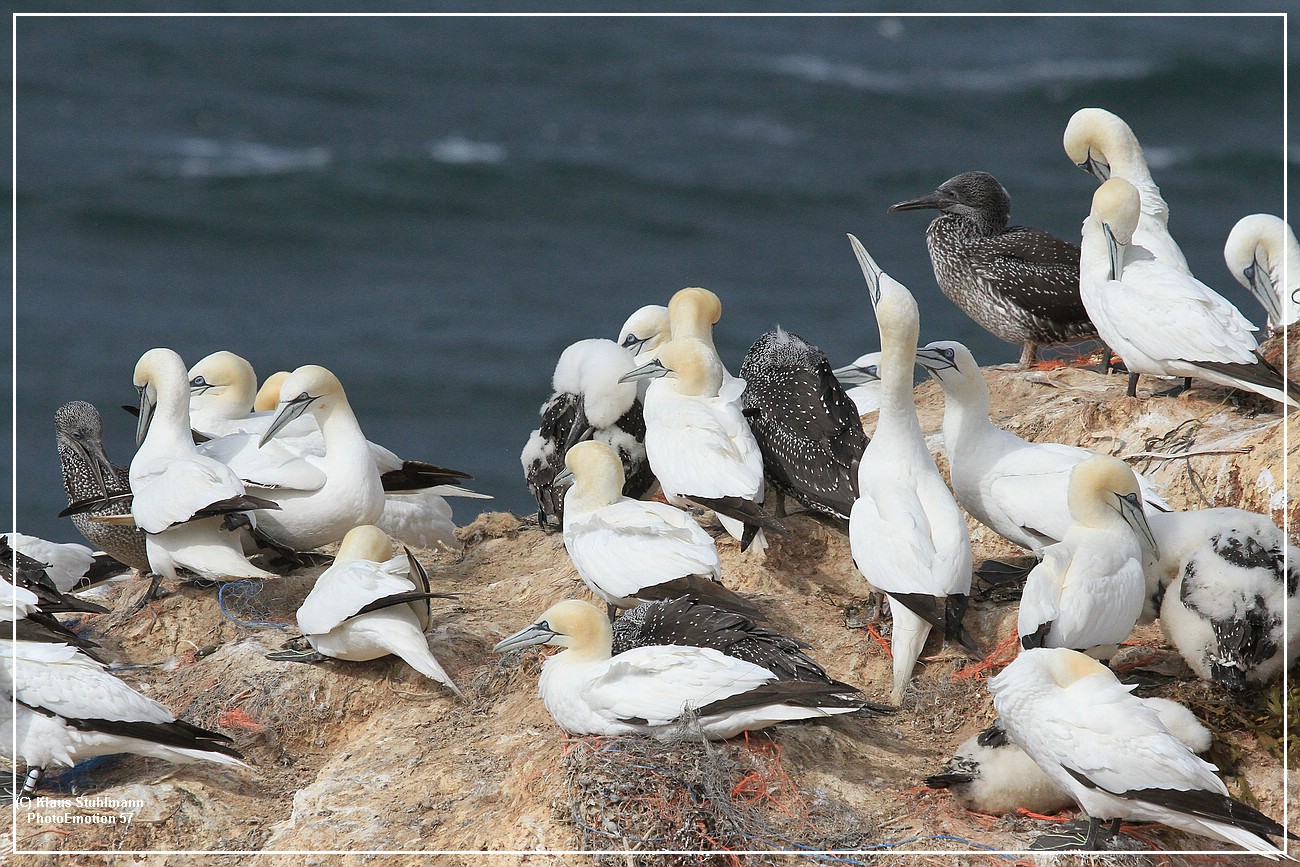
x: 198, y: 382
x: 874, y: 369
x: 948, y: 353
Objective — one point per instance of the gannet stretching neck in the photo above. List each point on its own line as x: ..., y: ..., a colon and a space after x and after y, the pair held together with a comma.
x: 862, y: 379
x: 180, y: 497
x: 629, y: 550
x: 1104, y: 146
x: 1112, y: 754
x: 1261, y: 252
x: 369, y: 604
x: 653, y: 690
x: 1014, y: 487
x: 1089, y: 588
x: 906, y: 533
x: 1159, y: 320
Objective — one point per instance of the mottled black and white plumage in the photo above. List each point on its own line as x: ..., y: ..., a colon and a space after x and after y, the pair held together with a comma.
x: 807, y: 428
x: 1019, y: 284
x: 88, y: 475
x: 589, y: 403
x: 29, y: 599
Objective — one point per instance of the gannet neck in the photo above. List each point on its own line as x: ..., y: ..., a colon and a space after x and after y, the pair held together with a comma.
x: 162, y: 374
x: 698, y: 372
x: 224, y: 385
x: 693, y: 312
x: 1263, y: 256
x: 597, y: 477
x: 899, y: 323
x: 268, y: 396
x: 366, y: 542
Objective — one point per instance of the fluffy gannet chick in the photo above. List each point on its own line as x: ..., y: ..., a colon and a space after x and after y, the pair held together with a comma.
x: 1262, y: 253
x: 1112, y: 754
x: 1225, y: 597
x: 68, y: 707
x: 1162, y: 321
x: 989, y: 773
x: 862, y: 379
x: 1014, y: 487
x: 1104, y: 146
x: 808, y: 430
x: 589, y: 403
x: 1089, y: 588
x: 699, y: 445
x: 908, y: 538
x: 96, y: 486
x: 628, y: 551
x: 370, y: 604
x: 181, y: 498
x: 654, y: 690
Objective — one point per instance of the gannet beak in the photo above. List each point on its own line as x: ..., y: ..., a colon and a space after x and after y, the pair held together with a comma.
x: 938, y: 200
x: 563, y: 477
x: 1130, y: 508
x: 289, y: 410
x: 147, y: 405
x: 100, y: 467
x: 1095, y: 167
x: 1261, y: 286
x: 1115, y: 251
x: 935, y: 360
x: 198, y: 385
x: 581, y: 428
x: 652, y: 369
x: 870, y: 270
x: 536, y: 633
x: 852, y: 375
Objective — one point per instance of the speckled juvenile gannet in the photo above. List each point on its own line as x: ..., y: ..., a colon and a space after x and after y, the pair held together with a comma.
x: 862, y: 378
x: 370, y: 604
x: 627, y: 550
x: 906, y: 533
x: 589, y: 403
x: 1104, y: 146
x: 809, y: 431
x: 181, y: 497
x: 1089, y: 588
x: 1019, y: 284
x: 988, y: 773
x: 67, y: 707
x: 1162, y: 321
x: 1014, y: 487
x: 1113, y: 755
x: 699, y: 445
x: 1262, y: 253
x: 96, y: 485
x: 658, y: 689
x: 1226, y: 590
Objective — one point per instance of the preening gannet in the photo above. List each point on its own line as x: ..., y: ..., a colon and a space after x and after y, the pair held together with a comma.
x: 1262, y: 253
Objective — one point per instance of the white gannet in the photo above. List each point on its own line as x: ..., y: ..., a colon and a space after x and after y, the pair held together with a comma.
x: 223, y: 390
x: 29, y: 600
x: 692, y: 312
x: 627, y: 550
x: 906, y: 533
x: 1014, y: 487
x: 66, y: 563
x: 862, y: 379
x: 699, y: 445
x: 1162, y: 321
x: 1220, y: 586
x: 268, y: 396
x: 1113, y: 755
x: 655, y: 689
x: 1262, y: 253
x: 1089, y: 588
x: 988, y: 773
x: 182, y: 498
x: 68, y: 707
x: 808, y: 430
x: 1104, y: 146
x: 370, y: 604
x: 644, y: 331
x: 589, y: 403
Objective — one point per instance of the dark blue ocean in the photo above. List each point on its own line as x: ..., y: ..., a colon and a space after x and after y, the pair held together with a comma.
x: 434, y: 208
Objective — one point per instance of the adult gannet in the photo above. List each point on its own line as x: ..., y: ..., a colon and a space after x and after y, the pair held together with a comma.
x: 1014, y: 487
x: 29, y: 599
x: 644, y: 331
x: 68, y: 707
x: 1089, y: 588
x: 1160, y: 320
x: 66, y: 563
x: 223, y: 390
x: 1019, y: 284
x: 182, y: 498
x: 627, y: 550
x: 692, y: 312
x: 906, y: 533
x: 1104, y: 146
x: 862, y: 379
x: 808, y: 430
x: 1262, y: 253
x: 699, y: 445
x: 658, y: 689
x: 589, y: 403
x: 268, y: 396
x: 369, y: 604
x: 1112, y: 754
x: 989, y: 773
x: 95, y: 485
x: 1226, y: 596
